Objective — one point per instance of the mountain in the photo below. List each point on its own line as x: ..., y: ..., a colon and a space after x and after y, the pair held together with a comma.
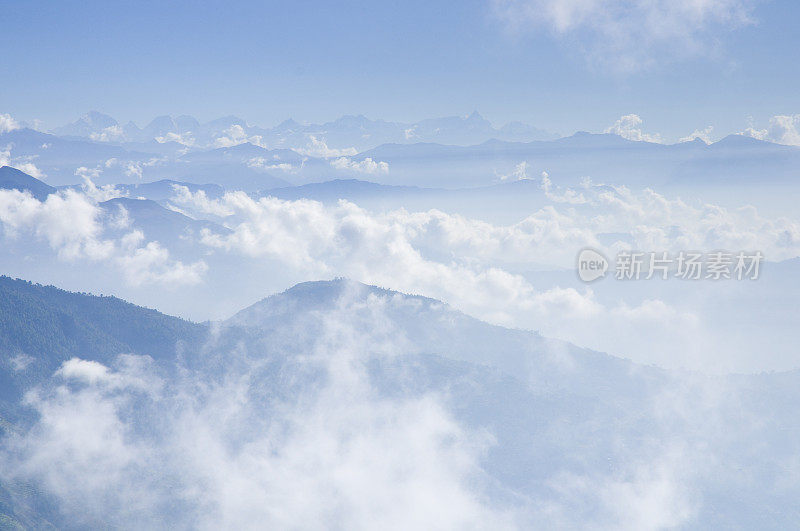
x: 91, y: 123
x: 520, y: 132
x: 14, y: 179
x: 575, y: 431
x: 161, y: 126
x: 42, y: 326
x: 430, y: 326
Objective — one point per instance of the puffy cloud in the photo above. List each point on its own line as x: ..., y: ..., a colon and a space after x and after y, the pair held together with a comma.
x: 114, y: 133
x: 7, y: 123
x: 702, y: 134
x: 186, y: 138
x: 85, y: 236
x: 567, y: 196
x: 367, y: 165
x: 317, y: 147
x: 262, y: 163
x: 628, y: 35
x: 200, y: 202
x: 20, y: 212
x: 151, y: 264
x: 95, y: 193
x: 630, y: 127
x: 133, y: 168
x: 235, y: 135
x: 783, y: 129
x: 31, y: 169
x: 86, y: 371
x: 24, y: 164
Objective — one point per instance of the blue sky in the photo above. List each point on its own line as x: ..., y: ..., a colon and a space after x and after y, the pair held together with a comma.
x: 314, y: 61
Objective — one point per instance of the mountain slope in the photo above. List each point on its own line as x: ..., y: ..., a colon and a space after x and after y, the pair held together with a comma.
x: 42, y: 326
x: 14, y: 179
x: 432, y: 327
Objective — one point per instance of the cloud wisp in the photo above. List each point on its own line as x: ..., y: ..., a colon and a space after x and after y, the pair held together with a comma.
x: 628, y: 35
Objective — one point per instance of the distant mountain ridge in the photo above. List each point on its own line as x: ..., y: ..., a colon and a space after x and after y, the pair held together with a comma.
x: 247, y: 165
x: 349, y: 130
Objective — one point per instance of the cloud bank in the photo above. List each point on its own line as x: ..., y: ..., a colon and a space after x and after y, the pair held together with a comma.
x: 467, y: 262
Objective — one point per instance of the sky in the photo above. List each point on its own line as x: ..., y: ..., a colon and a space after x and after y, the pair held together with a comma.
x: 562, y: 65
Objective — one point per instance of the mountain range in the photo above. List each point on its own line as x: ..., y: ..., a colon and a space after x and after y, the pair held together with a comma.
x: 255, y: 160
x: 348, y: 131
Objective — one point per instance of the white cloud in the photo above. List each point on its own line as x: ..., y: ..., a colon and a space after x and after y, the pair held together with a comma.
x: 21, y: 212
x: 133, y: 168
x: 113, y: 133
x: 186, y: 138
x: 235, y: 135
x: 783, y: 129
x: 95, y: 193
x: 702, y: 134
x: 86, y: 371
x: 519, y: 173
x: 367, y: 165
x: 628, y: 35
x: 567, y: 196
x: 31, y: 169
x: 152, y: 264
x: 630, y: 127
x: 200, y: 202
x: 24, y: 164
x: 85, y: 236
x: 317, y: 147
x: 262, y: 163
x: 7, y: 123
